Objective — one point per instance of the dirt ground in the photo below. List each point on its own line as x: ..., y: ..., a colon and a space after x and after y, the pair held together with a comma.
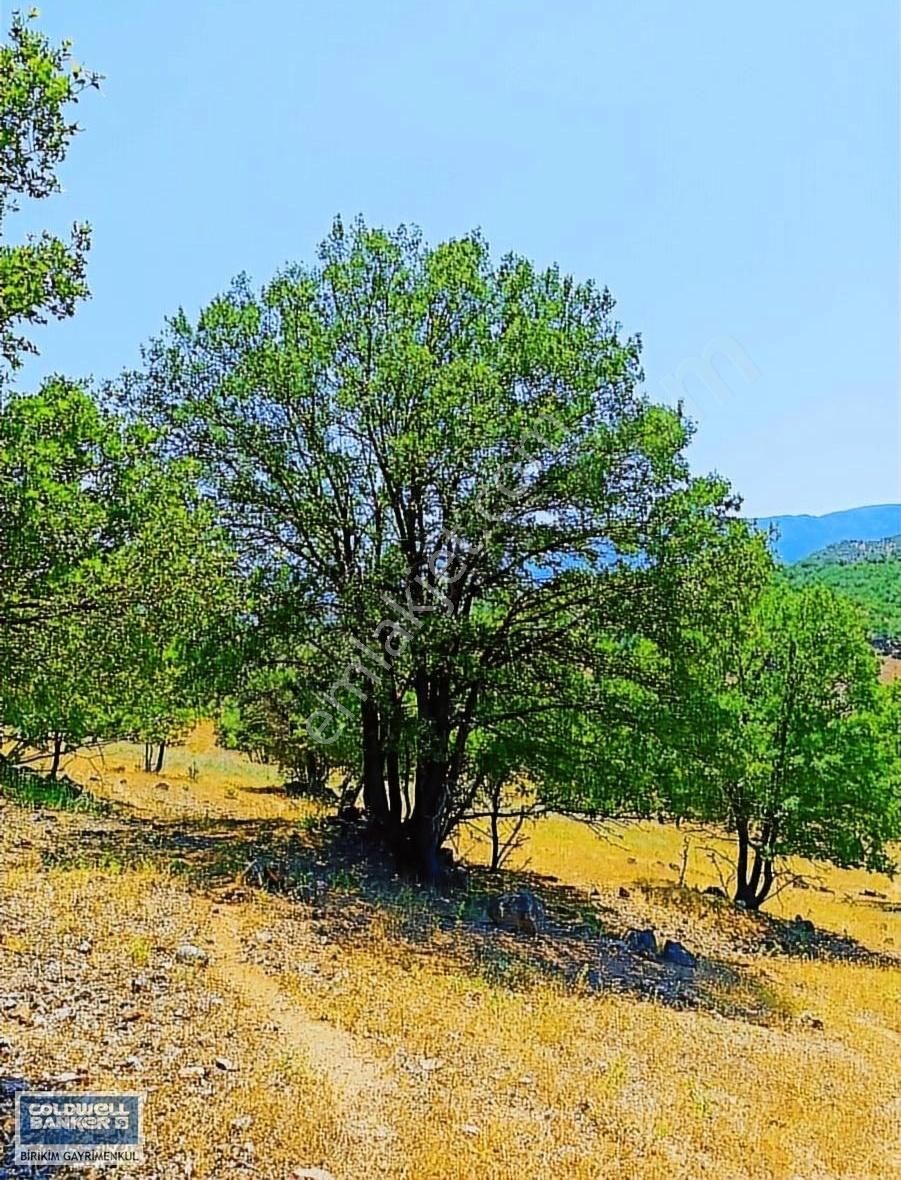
x: 346, y: 1021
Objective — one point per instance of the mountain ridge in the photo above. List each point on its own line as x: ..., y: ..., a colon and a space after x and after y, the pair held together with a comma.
x: 799, y: 536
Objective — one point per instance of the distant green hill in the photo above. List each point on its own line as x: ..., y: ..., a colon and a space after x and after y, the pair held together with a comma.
x: 869, y: 572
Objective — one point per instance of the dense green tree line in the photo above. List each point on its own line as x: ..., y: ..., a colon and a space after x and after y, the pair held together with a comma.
x: 407, y: 517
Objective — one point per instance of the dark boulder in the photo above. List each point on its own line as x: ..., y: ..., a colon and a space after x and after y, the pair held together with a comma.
x: 642, y: 942
x: 518, y: 913
x: 675, y: 953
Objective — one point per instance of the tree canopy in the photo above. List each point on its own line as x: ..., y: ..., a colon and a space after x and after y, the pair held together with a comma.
x: 779, y: 731
x: 448, y: 467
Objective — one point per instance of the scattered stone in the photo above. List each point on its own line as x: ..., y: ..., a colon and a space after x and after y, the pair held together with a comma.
x: 133, y: 1062
x: 140, y: 983
x: 242, y: 1123
x: 226, y: 1064
x: 715, y: 891
x: 811, y: 1021
x: 194, y: 955
x: 804, y: 925
x: 192, y: 1071
x: 624, y: 892
x: 471, y: 1129
x: 518, y: 913
x: 162, y: 787
x: 63, y: 1079
x: 675, y: 953
x: 430, y: 1064
x: 22, y: 1013
x: 85, y: 947
x: 310, y: 1174
x: 642, y: 942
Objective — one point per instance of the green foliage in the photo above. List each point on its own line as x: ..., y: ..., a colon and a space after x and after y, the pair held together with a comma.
x: 421, y: 426
x: 29, y: 789
x: 43, y: 276
x: 868, y: 573
x: 777, y: 728
x: 110, y: 579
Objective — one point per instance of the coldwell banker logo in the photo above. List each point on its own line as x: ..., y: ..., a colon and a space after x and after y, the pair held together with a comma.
x: 78, y: 1130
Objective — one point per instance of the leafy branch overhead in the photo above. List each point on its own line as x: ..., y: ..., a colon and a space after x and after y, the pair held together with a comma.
x: 43, y: 276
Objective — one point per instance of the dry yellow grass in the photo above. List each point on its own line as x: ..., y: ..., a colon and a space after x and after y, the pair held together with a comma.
x: 462, y: 1074
x: 891, y: 669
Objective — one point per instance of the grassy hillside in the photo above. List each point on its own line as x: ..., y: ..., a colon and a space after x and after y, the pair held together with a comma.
x: 869, y: 572
x: 365, y: 1027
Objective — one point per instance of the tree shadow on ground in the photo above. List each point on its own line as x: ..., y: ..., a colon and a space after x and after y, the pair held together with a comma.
x: 765, y: 934
x: 343, y: 886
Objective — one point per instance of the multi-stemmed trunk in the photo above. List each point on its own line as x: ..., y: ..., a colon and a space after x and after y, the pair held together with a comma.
x: 754, y: 867
x: 414, y: 833
x: 154, y: 764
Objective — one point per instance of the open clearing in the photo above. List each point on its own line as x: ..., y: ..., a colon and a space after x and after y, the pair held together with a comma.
x: 356, y: 1024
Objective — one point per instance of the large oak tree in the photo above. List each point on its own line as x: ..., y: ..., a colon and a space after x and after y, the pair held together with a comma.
x: 447, y: 465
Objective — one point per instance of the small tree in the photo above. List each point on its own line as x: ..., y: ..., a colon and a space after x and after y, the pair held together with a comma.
x: 107, y: 559
x: 782, y: 734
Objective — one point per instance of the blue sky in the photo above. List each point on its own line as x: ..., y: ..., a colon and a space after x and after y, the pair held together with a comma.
x: 729, y: 171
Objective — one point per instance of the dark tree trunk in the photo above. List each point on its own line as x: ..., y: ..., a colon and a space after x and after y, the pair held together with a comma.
x: 432, y: 774
x: 374, y: 798
x: 495, y: 841
x: 148, y: 757
x: 425, y: 822
x: 57, y: 755
x: 753, y: 879
x: 392, y: 728
x: 160, y: 758
x: 395, y: 799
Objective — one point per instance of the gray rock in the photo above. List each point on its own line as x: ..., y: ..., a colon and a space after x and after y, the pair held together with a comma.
x: 194, y: 955
x: 518, y: 913
x: 642, y: 942
x: 311, y: 1174
x: 675, y: 952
